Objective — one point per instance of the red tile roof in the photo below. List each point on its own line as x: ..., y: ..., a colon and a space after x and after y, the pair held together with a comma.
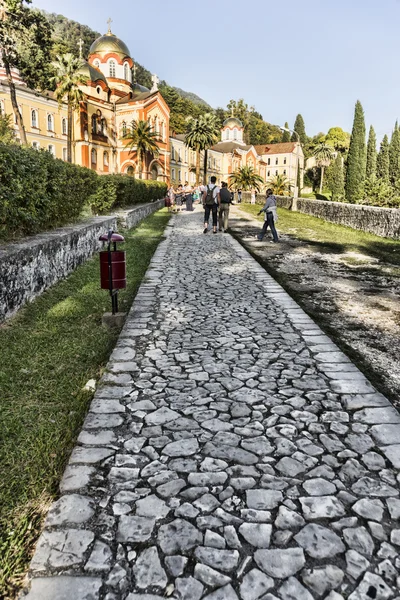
x: 282, y: 148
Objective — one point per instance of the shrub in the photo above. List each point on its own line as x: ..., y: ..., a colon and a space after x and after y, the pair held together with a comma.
x: 116, y: 191
x: 38, y: 192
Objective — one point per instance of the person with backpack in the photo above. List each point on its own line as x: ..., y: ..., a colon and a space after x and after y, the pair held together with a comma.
x: 271, y: 216
x: 225, y: 200
x: 210, y: 204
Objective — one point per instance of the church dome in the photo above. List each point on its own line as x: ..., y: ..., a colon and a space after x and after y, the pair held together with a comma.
x: 232, y: 122
x: 91, y: 73
x: 109, y: 43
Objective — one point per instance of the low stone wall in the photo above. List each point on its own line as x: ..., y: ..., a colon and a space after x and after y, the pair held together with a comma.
x: 30, y: 266
x: 384, y: 222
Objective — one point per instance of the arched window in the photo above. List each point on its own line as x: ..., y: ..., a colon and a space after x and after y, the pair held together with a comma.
x: 50, y: 123
x: 126, y: 71
x: 269, y: 161
x: 34, y: 118
x: 64, y: 153
x: 94, y: 157
x: 111, y: 68
x: 64, y: 126
x: 235, y: 134
x: 123, y: 128
x: 51, y: 149
x: 94, y: 124
x: 227, y: 134
x: 35, y: 145
x: 172, y: 153
x: 105, y: 159
x: 284, y: 161
x: 130, y: 171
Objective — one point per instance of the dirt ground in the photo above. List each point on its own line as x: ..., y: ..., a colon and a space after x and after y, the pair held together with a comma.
x: 355, y: 298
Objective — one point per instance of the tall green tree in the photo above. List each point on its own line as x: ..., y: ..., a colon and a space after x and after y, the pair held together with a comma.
x: 371, y: 154
x: 7, y: 133
x: 394, y: 155
x: 323, y: 154
x: 142, y: 140
x: 25, y: 40
x: 357, y: 157
x: 279, y: 184
x: 338, y: 139
x: 336, y: 179
x: 382, y: 161
x: 299, y: 128
x: 68, y: 81
x: 201, y: 134
x: 286, y: 134
x: 246, y: 179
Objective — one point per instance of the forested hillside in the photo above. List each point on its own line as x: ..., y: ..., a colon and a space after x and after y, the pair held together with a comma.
x: 65, y: 37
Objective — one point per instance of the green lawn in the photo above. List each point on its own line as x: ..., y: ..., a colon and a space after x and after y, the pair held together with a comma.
x: 49, y: 351
x: 332, y: 237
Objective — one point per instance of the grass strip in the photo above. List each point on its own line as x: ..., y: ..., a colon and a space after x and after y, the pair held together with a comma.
x: 334, y: 238
x: 50, y: 349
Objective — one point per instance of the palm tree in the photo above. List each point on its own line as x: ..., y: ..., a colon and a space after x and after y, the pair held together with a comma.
x: 246, y: 178
x: 68, y: 79
x: 143, y: 140
x: 279, y: 184
x: 201, y: 134
x: 323, y: 154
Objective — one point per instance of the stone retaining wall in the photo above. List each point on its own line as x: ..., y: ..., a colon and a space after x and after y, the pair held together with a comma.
x: 384, y: 222
x: 30, y: 266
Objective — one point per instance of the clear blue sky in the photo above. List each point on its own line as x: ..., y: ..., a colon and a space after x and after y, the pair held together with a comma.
x: 314, y: 57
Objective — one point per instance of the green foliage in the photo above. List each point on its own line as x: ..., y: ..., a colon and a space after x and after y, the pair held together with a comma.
x: 117, y: 191
x: 335, y: 179
x: 66, y: 35
x: 299, y: 128
x: 378, y: 192
x: 38, y: 192
x: 286, y: 134
x: 357, y: 158
x: 201, y: 134
x: 256, y: 130
x: 246, y: 179
x: 181, y: 109
x: 279, y: 184
x: 142, y: 140
x: 338, y: 139
x: 7, y: 133
x: 382, y: 161
x: 394, y: 156
x: 323, y: 154
x: 371, y: 154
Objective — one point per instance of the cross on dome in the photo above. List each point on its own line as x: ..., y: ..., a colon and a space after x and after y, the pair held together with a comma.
x: 109, y: 21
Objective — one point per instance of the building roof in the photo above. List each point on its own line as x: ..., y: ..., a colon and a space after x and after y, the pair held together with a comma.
x: 109, y: 43
x: 178, y: 136
x: 229, y: 147
x: 281, y: 148
x: 91, y: 72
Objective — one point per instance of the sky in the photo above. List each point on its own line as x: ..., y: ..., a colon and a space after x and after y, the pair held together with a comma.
x: 314, y: 57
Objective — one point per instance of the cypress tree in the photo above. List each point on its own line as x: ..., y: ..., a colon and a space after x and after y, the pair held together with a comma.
x: 382, y: 161
x: 286, y: 134
x: 300, y: 128
x: 357, y: 158
x: 336, y: 179
x: 394, y: 155
x: 371, y: 154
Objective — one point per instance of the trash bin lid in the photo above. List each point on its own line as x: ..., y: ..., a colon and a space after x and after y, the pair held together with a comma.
x: 115, y: 237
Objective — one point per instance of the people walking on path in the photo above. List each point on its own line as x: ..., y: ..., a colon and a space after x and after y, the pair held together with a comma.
x: 179, y: 198
x: 188, y: 197
x: 270, y: 217
x: 210, y: 203
x: 170, y: 199
x: 225, y: 200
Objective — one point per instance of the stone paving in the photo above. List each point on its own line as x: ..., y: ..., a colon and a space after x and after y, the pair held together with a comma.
x: 231, y: 452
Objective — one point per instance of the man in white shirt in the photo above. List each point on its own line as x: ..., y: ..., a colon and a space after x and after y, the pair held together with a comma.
x: 210, y: 204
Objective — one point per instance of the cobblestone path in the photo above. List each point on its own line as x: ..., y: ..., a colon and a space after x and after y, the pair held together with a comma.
x: 231, y: 452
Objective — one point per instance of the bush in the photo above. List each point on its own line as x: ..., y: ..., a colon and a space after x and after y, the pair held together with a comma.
x: 38, y: 192
x: 116, y: 191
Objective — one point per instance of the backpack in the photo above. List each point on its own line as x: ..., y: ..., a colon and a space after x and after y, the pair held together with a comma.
x: 225, y: 195
x: 210, y: 196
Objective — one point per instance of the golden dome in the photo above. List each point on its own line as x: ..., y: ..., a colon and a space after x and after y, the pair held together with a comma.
x: 232, y: 122
x: 108, y: 43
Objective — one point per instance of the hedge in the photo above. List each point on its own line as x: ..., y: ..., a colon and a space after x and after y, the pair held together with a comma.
x: 122, y: 190
x: 39, y: 192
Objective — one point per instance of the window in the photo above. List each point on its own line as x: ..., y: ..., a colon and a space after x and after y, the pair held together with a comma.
x: 34, y: 118
x: 94, y: 156
x: 284, y: 161
x: 126, y: 72
x: 97, y: 64
x: 35, y: 145
x: 269, y: 161
x: 227, y: 134
x: 235, y: 134
x: 105, y: 159
x: 276, y: 172
x: 162, y: 130
x: 64, y: 126
x: 268, y: 173
x: 94, y: 124
x: 51, y: 149
x: 111, y: 68
x: 284, y: 171
x: 50, y: 123
x: 130, y: 171
x: 173, y: 174
x: 123, y: 128
x: 65, y: 154
x: 276, y: 161
x: 172, y: 154
x: 155, y: 125
x: 179, y: 176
